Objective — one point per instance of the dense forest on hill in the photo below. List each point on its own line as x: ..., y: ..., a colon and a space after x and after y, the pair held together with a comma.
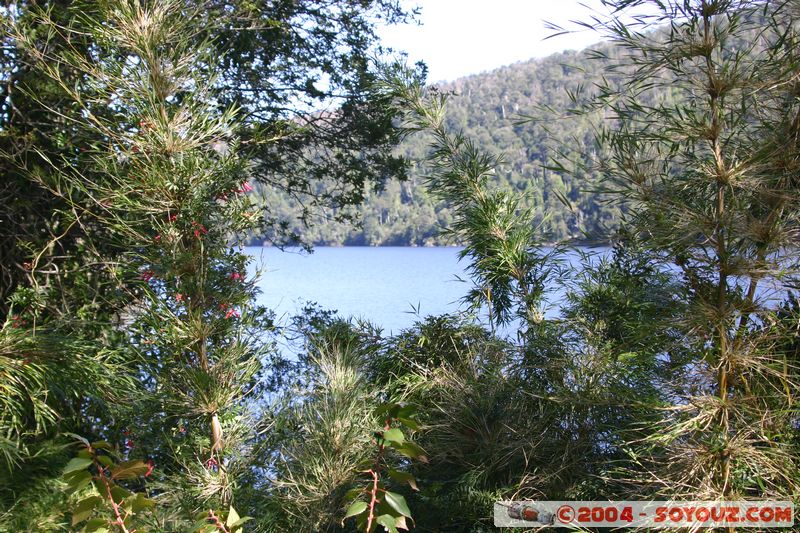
x: 489, y: 108
x: 520, y: 112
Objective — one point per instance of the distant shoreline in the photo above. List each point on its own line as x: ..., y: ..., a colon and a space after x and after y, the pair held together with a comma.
x: 549, y: 244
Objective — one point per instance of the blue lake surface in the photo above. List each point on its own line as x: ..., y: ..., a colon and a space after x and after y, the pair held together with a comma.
x: 382, y: 284
x: 386, y: 285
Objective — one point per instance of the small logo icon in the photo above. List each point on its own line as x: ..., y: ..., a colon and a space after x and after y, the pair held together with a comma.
x: 565, y: 513
x: 529, y: 513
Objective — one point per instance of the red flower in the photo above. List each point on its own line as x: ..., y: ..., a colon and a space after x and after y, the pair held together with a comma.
x: 150, y: 466
x: 157, y: 238
x: 179, y: 297
x: 147, y: 275
x: 211, y: 463
x: 199, y: 229
x: 235, y: 276
x: 229, y: 311
x: 172, y: 218
x: 245, y: 188
x: 129, y: 444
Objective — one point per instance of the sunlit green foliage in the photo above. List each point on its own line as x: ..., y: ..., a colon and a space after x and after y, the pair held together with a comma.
x: 167, y: 187
x: 711, y: 181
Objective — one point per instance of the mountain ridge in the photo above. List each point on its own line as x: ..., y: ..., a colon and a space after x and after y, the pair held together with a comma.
x: 488, y: 108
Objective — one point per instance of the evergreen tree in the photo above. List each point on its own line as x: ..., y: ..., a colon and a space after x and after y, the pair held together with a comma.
x: 710, y: 181
x: 167, y: 186
x: 479, y: 392
x: 74, y: 228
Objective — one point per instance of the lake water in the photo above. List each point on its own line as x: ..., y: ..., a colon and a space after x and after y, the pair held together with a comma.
x: 391, y: 286
x: 386, y: 285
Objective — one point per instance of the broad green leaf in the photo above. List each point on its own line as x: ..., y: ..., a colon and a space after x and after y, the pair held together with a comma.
x: 406, y: 411
x: 204, y: 527
x: 84, y: 509
x: 105, y: 460
x: 412, y: 450
x: 394, y: 435
x: 77, y: 463
x: 409, y: 423
x: 88, y: 503
x: 80, y: 439
x: 387, y: 410
x: 233, y: 516
x: 129, y: 469
x: 398, y: 503
x: 356, y: 508
x: 387, y: 521
x: 353, y: 493
x: 119, y: 494
x: 96, y: 525
x: 403, y: 477
x: 102, y: 445
x: 200, y: 524
x: 78, y: 480
x: 400, y: 522
x: 238, y: 524
x: 142, y: 502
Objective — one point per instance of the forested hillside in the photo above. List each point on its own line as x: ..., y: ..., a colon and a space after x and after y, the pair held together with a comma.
x: 488, y: 108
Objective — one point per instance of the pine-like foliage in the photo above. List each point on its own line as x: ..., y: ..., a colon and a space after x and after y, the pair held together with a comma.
x: 168, y: 187
x: 711, y: 182
x: 542, y: 417
x: 506, y: 264
x: 328, y: 432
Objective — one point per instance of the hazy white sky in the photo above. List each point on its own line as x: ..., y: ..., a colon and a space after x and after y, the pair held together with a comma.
x: 462, y: 37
